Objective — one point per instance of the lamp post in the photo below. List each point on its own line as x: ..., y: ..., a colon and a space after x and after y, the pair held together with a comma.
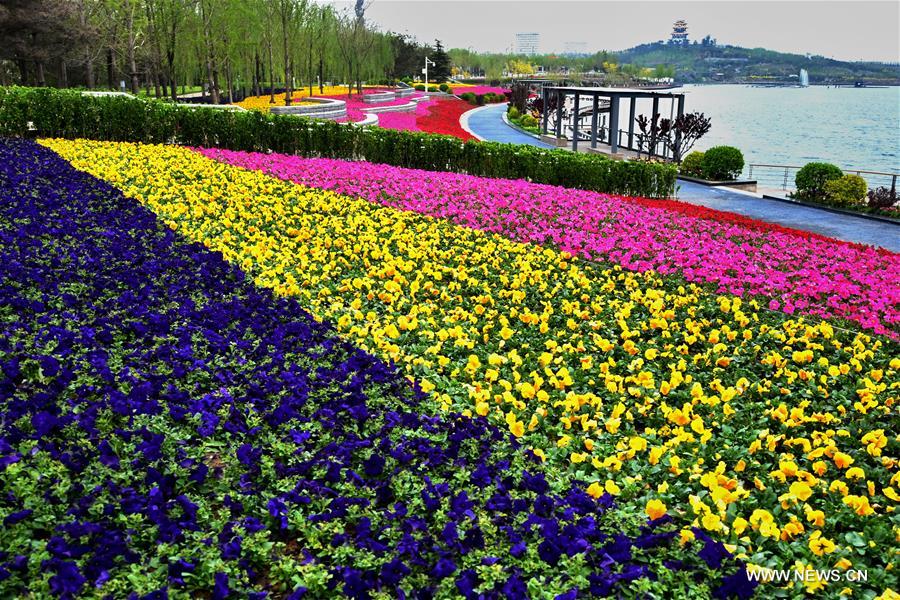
x: 425, y: 70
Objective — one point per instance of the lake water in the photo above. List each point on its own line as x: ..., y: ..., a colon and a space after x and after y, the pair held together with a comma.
x: 852, y: 128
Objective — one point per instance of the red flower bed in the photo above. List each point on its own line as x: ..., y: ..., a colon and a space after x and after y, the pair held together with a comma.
x: 443, y: 117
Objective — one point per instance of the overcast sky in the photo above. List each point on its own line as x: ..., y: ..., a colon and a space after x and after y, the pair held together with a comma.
x: 847, y: 30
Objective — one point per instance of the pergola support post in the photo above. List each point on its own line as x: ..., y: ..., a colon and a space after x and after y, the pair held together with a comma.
x: 594, y: 116
x: 632, y: 102
x: 575, y: 123
x: 652, y: 151
x: 559, y: 110
x: 546, y: 116
x: 614, y: 124
x: 678, y: 134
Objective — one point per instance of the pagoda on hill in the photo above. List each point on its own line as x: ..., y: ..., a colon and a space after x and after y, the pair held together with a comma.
x: 679, y: 33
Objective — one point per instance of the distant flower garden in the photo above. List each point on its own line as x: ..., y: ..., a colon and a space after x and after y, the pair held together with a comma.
x: 438, y: 115
x: 769, y: 433
x: 263, y: 103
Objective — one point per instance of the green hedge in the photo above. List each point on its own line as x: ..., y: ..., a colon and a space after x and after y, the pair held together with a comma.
x: 70, y: 114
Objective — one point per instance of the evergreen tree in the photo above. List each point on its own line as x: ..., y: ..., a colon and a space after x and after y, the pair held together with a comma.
x: 440, y: 72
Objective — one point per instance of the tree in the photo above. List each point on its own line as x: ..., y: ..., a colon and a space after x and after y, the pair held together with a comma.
x: 212, y: 73
x: 650, y: 132
x: 519, y: 97
x: 290, y: 12
x: 685, y: 130
x: 36, y: 32
x: 318, y: 27
x: 356, y: 42
x: 408, y: 55
x: 155, y: 45
x: 519, y: 67
x: 440, y: 71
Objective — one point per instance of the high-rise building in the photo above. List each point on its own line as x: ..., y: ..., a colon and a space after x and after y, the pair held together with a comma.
x: 679, y: 33
x: 527, y: 43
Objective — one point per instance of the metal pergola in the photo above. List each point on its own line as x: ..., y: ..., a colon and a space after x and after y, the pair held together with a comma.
x: 613, y: 96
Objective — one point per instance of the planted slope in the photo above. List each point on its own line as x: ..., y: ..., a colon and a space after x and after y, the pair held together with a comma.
x: 772, y: 433
x: 169, y: 428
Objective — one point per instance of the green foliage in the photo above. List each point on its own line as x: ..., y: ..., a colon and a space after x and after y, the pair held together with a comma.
x: 848, y: 190
x: 810, y: 180
x: 722, y: 163
x: 513, y: 113
x: 69, y: 114
x: 420, y: 87
x: 468, y: 97
x: 692, y: 165
x: 441, y: 68
x: 444, y: 87
x: 529, y: 121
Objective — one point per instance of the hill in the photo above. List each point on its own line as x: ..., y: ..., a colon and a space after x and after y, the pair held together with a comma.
x: 706, y: 63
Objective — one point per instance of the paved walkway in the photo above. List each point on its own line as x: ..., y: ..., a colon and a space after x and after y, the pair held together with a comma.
x: 487, y: 123
x: 842, y: 227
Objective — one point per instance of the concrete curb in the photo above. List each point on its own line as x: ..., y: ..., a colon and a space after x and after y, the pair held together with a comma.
x: 464, y: 121
x: 371, y: 119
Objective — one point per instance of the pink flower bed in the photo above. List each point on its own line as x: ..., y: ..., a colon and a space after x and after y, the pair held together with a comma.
x: 356, y: 102
x: 405, y: 121
x: 355, y: 106
x: 797, y: 272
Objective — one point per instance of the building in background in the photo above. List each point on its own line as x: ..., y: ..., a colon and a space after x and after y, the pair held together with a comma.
x: 528, y: 43
x: 679, y: 33
x: 575, y: 49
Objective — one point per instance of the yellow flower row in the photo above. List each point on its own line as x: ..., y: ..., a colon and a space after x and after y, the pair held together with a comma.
x: 774, y: 434
x: 263, y: 103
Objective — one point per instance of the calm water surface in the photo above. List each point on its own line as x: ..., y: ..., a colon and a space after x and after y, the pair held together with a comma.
x: 852, y: 128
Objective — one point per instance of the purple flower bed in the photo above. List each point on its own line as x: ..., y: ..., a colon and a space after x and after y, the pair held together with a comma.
x: 167, y: 427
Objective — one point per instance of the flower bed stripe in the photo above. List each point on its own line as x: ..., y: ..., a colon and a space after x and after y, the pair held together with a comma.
x: 796, y: 272
x: 675, y: 400
x: 171, y: 429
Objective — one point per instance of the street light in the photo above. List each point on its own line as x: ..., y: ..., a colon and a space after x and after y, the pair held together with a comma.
x: 425, y: 70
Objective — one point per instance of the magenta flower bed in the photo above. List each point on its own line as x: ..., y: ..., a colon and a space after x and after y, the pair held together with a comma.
x: 405, y: 121
x: 356, y: 102
x: 355, y: 112
x: 797, y: 273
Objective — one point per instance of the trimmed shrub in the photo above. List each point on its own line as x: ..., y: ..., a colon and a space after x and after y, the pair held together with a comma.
x: 529, y: 121
x: 847, y: 190
x: 692, y: 165
x: 420, y: 87
x: 513, y: 113
x: 47, y: 112
x: 810, y: 180
x: 433, y: 88
x: 444, y: 87
x: 722, y: 163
